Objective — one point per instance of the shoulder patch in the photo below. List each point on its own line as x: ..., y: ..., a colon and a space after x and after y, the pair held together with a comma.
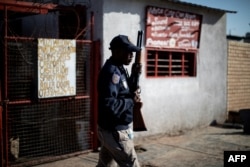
x: 115, y: 78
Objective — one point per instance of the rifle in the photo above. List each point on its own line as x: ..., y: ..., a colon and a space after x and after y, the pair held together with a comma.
x: 138, y: 121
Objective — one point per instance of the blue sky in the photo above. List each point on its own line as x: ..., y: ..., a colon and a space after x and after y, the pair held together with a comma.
x: 237, y: 24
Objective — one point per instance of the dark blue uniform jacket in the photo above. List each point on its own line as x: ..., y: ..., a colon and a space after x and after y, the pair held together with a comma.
x: 115, y: 102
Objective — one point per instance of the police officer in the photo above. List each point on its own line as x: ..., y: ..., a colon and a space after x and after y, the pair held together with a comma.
x: 115, y: 103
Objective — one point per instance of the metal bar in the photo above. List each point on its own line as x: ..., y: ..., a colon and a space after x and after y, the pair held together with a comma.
x: 172, y: 49
x: 20, y: 38
x: 27, y: 4
x: 194, y: 64
x: 5, y: 87
x: 182, y: 64
x: 47, y: 100
x: 1, y: 135
x: 30, y: 38
x: 94, y: 60
x: 170, y: 63
x: 96, y: 67
x: 1, y: 109
x: 5, y: 53
x: 19, y: 102
x: 81, y: 97
x: 156, y: 64
x: 92, y: 27
x: 84, y: 41
x: 82, y: 31
x: 28, y: 7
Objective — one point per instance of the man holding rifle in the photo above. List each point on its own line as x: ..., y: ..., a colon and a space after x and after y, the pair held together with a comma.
x: 116, y: 102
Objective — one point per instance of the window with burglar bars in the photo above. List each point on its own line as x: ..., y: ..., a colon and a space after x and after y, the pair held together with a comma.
x: 172, y: 40
x: 170, y: 63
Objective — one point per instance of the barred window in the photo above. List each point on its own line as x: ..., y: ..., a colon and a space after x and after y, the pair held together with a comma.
x: 170, y: 63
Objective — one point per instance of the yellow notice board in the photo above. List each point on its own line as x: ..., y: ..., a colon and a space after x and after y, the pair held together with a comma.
x: 56, y: 68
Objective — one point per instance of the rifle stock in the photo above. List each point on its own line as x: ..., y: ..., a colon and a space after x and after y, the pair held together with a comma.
x: 138, y: 121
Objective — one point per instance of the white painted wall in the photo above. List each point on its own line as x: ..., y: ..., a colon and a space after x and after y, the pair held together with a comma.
x: 173, y: 104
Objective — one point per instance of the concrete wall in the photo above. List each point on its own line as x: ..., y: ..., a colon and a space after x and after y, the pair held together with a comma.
x: 175, y: 104
x: 238, y: 76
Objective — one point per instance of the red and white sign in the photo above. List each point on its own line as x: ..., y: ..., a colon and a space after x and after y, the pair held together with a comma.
x: 167, y: 28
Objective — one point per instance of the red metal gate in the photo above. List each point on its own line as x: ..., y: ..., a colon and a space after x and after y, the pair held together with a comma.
x: 37, y: 130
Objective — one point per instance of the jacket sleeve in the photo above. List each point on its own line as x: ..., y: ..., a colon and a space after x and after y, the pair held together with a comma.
x: 117, y: 99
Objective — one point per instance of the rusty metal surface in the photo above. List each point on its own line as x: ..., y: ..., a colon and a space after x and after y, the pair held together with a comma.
x: 26, y: 7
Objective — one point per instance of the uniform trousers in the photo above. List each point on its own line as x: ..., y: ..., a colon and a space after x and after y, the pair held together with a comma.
x: 117, y: 149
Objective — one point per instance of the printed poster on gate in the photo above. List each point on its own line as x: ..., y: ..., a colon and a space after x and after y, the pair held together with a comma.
x: 56, y: 68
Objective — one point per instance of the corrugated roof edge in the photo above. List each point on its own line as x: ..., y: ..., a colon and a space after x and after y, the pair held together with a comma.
x: 200, y: 6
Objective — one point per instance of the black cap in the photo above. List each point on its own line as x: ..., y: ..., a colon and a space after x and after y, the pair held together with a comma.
x: 122, y: 42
